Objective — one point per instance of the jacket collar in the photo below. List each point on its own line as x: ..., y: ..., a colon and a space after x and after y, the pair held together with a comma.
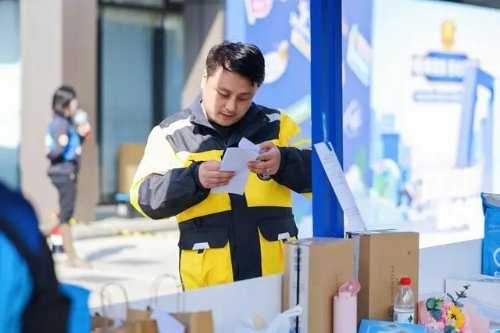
x: 198, y: 116
x: 253, y: 120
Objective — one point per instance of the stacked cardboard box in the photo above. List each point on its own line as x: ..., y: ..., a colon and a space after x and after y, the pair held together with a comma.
x: 315, y: 269
x: 382, y: 259
x: 129, y: 156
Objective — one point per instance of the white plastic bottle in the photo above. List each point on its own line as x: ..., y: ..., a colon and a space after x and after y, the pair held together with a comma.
x: 404, y: 302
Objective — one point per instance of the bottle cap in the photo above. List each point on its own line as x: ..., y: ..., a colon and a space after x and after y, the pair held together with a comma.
x: 405, y: 281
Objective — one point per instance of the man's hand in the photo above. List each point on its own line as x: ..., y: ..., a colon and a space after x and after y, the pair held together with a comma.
x: 268, y: 162
x: 210, y: 176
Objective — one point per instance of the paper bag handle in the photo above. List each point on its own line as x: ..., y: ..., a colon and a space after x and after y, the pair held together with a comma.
x: 102, y: 292
x: 155, y: 290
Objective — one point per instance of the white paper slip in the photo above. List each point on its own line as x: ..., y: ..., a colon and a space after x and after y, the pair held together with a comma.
x: 247, y: 144
x: 236, y: 159
x: 337, y: 179
x: 166, y: 323
x: 236, y: 185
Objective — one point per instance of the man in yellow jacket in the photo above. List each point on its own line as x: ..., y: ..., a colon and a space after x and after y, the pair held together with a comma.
x: 224, y: 237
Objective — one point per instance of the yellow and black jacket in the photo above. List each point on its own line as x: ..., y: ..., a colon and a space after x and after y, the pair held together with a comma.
x: 223, y: 237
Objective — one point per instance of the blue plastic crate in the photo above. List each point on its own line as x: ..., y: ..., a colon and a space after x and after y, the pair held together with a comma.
x: 379, y: 326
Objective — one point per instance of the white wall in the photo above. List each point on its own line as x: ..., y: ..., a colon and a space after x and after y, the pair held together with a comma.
x: 440, y: 262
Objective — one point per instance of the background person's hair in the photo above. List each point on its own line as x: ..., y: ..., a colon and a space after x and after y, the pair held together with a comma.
x: 62, y: 97
x: 242, y: 58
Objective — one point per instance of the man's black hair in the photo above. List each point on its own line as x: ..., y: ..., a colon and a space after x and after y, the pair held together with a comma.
x: 242, y: 58
x: 62, y: 97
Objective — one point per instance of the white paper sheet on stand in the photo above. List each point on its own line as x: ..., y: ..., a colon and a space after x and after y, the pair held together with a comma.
x: 338, y: 181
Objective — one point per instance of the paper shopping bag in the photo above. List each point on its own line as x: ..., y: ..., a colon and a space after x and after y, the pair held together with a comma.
x: 196, y: 322
x: 136, y: 321
x: 100, y: 323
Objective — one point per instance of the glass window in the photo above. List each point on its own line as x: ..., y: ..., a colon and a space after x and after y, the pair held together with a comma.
x: 174, y: 63
x: 126, y: 86
x: 142, y: 77
x: 10, y: 86
x: 145, y: 3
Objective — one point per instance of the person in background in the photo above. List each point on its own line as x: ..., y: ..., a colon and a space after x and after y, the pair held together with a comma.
x: 225, y: 237
x: 65, y: 135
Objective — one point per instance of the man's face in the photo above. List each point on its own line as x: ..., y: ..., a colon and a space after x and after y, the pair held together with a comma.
x: 226, y: 96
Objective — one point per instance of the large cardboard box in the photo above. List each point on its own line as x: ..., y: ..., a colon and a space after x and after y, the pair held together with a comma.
x: 315, y: 269
x: 382, y: 259
x: 129, y: 157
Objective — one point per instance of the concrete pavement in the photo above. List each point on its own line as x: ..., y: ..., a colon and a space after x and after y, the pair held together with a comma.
x: 131, y: 252
x: 116, y: 226
x: 133, y: 261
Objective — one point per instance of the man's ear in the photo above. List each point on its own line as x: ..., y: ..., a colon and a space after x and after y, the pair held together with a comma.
x: 203, y: 81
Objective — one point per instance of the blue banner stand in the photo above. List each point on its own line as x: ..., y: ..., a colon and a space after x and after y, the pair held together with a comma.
x: 326, y: 106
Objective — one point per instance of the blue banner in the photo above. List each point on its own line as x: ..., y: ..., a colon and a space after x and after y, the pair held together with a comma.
x: 281, y: 29
x: 356, y: 82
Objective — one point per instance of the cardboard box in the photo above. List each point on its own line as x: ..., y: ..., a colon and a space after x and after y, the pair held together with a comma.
x: 315, y: 269
x: 196, y: 322
x: 129, y: 157
x: 382, y: 259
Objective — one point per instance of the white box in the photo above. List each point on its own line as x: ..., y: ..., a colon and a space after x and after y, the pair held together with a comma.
x: 483, y: 292
x: 483, y: 289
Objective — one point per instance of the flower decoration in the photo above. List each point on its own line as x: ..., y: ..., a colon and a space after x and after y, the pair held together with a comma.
x: 445, y: 314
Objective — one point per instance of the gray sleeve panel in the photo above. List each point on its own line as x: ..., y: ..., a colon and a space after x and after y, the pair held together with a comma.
x: 163, y: 196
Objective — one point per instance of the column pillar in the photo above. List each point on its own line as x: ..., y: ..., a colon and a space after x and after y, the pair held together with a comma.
x: 58, y: 46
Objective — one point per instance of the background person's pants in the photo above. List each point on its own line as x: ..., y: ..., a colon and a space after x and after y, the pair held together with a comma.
x: 66, y: 190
